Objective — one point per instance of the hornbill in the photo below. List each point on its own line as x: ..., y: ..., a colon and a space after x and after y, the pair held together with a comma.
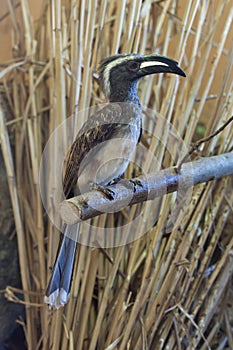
x: 104, y: 147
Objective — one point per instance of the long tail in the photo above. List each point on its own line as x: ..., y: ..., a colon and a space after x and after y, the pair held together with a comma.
x: 57, y: 293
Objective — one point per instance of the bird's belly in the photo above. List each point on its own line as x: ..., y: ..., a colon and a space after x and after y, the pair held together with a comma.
x: 105, y: 162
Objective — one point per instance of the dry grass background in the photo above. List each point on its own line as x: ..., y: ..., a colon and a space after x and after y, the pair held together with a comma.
x: 163, y: 291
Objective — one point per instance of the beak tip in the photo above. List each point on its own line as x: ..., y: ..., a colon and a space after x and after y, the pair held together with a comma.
x: 181, y: 72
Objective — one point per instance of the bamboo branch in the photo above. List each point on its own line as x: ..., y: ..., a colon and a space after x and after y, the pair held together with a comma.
x: 146, y: 187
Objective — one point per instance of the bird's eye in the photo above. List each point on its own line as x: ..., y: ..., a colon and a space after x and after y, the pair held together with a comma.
x: 133, y: 65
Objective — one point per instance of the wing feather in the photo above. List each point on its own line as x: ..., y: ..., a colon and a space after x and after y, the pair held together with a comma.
x: 104, y: 125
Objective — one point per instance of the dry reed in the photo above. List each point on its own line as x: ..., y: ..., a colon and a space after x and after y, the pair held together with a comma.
x: 168, y: 289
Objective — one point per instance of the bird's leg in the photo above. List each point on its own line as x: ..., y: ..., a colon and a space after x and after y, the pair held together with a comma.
x: 110, y: 194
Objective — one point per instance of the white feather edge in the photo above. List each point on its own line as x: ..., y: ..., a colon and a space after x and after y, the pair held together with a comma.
x: 57, y: 299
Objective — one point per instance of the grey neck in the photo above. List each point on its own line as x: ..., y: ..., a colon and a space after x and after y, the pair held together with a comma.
x: 125, y: 93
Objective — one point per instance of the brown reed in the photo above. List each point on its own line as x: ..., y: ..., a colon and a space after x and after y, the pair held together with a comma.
x: 168, y: 289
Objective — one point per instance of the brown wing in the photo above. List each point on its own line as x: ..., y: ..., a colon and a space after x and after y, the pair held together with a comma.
x: 96, y: 129
x: 79, y: 150
x: 104, y: 125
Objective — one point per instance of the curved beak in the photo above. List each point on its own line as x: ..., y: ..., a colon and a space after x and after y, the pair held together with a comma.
x: 152, y: 64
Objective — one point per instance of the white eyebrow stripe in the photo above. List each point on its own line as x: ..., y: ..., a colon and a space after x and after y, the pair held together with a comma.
x: 109, y: 67
x: 152, y: 63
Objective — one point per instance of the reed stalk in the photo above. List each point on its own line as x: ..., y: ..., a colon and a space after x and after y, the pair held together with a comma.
x: 170, y: 287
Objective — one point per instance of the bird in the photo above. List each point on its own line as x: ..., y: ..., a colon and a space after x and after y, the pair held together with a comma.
x: 103, y: 148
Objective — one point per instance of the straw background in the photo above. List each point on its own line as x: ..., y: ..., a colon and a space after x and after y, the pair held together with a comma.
x: 165, y: 290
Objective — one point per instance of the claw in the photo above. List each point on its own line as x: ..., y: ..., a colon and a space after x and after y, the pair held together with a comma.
x: 83, y: 202
x: 110, y: 194
x: 135, y: 183
x: 177, y: 169
x: 131, y: 184
x: 115, y: 181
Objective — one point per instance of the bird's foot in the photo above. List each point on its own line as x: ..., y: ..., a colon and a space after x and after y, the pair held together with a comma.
x: 116, y: 180
x: 110, y: 194
x: 136, y: 182
x: 83, y: 202
x: 130, y: 184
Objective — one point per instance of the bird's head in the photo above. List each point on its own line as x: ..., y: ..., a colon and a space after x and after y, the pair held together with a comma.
x: 120, y: 73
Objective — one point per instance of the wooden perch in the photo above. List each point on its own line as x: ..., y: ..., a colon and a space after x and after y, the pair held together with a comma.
x: 144, y: 188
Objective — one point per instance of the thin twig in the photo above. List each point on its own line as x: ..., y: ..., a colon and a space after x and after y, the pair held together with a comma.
x: 197, y: 144
x: 208, y: 138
